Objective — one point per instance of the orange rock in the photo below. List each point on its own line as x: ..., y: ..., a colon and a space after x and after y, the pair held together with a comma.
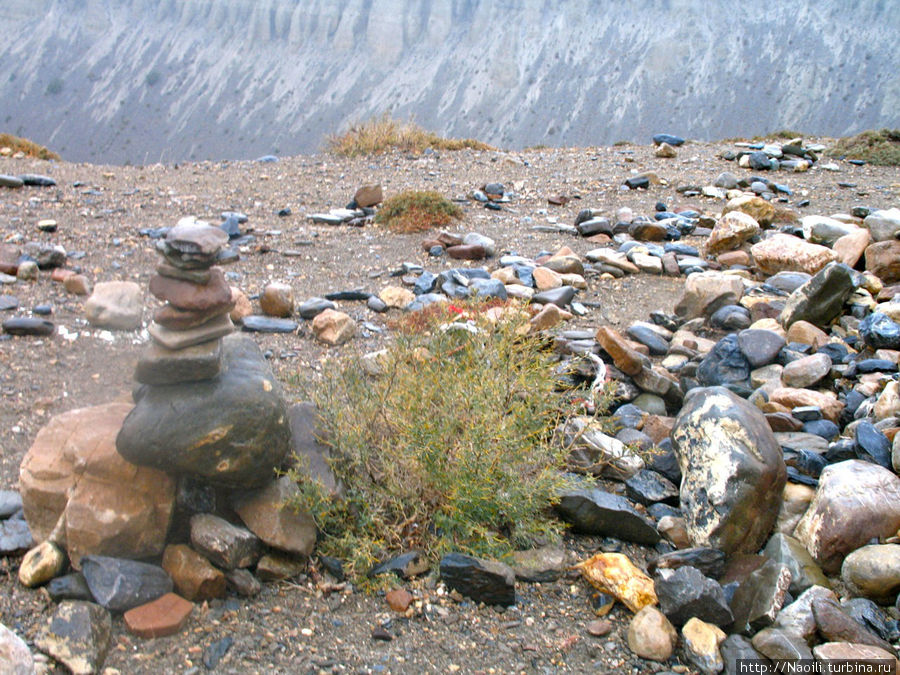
x: 614, y: 573
x: 624, y: 357
x: 399, y: 599
x: 164, y: 616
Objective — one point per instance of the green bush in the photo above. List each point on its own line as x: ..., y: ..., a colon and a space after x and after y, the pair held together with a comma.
x: 448, y: 447
x: 876, y: 147
x: 417, y: 211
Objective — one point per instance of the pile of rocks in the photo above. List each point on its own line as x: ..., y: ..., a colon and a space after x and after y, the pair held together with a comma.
x: 104, y: 486
x: 791, y: 155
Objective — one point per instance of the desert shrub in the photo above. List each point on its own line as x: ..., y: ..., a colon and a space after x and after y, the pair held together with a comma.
x: 448, y: 447
x: 382, y: 134
x: 30, y: 148
x: 880, y: 147
x: 417, y: 211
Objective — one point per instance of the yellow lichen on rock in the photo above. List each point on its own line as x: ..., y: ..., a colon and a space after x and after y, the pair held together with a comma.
x: 614, y: 573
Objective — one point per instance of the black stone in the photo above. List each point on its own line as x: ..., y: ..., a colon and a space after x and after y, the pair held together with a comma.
x: 26, y: 325
x: 709, y: 561
x: 805, y: 462
x: 69, y: 587
x: 880, y: 332
x: 725, y: 364
x: 37, y: 180
x: 760, y: 161
x: 868, y: 614
x: 841, y: 450
x: 737, y: 647
x: 257, y: 323
x: 484, y: 581
x: 665, y: 462
x: 637, y: 182
x: 560, y: 297
x: 119, y: 584
x: 311, y: 308
x: 864, y: 366
x: 656, y: 344
x: 649, y: 487
x: 685, y: 593
x: 731, y: 318
x: 824, y: 428
x: 406, y: 565
x: 215, y: 652
x: 593, y: 511
x: 593, y: 226
x: 760, y: 596
x: 674, y: 141
x: 354, y: 295
x: 872, y: 445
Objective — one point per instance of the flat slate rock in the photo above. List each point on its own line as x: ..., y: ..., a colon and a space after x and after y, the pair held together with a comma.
x: 15, y: 537
x: 26, y: 325
x: 11, y: 181
x: 119, y: 584
x: 172, y: 339
x: 8, y: 302
x: 593, y: 511
x: 256, y: 323
x: 37, y: 180
x: 158, y: 365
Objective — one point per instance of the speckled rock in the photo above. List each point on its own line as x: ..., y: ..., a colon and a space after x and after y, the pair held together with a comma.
x: 733, y: 471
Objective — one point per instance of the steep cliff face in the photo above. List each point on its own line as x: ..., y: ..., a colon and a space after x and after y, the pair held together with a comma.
x: 140, y: 81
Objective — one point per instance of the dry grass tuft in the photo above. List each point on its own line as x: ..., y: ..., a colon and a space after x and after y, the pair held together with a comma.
x: 880, y: 147
x: 30, y: 148
x: 383, y: 134
x: 417, y: 211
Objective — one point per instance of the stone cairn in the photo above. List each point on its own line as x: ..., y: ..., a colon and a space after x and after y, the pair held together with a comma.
x: 187, y: 330
x: 106, y: 486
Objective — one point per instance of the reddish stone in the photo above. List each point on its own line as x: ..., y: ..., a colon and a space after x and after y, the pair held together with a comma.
x: 368, y: 195
x: 59, y: 274
x: 399, y: 599
x: 181, y: 319
x: 195, y: 297
x: 164, y: 616
x: 624, y: 357
x: 111, y: 506
x: 883, y: 260
x: 467, y: 252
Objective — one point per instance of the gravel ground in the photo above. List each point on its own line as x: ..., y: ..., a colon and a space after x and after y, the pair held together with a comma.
x: 311, y: 624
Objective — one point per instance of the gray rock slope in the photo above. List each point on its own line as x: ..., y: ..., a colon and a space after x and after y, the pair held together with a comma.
x: 142, y: 81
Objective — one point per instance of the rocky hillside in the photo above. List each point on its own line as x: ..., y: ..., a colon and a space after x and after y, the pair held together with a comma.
x: 139, y: 82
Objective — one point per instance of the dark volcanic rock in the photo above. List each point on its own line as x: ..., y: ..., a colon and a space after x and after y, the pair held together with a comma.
x: 709, y: 561
x: 119, y: 584
x: 593, y: 511
x: 725, y: 364
x: 758, y: 599
x: 486, y: 581
x: 237, y: 442
x: 820, y: 299
x: 685, y: 593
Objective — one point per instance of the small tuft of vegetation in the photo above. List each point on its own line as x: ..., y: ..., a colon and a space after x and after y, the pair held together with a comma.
x: 31, y: 149
x: 417, y: 211
x: 881, y: 147
x: 448, y: 447
x: 383, y: 134
x: 780, y: 135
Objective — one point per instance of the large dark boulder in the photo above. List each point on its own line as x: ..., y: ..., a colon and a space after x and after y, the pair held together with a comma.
x: 231, y: 430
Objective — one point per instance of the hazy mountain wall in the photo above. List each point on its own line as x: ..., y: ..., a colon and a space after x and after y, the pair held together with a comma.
x: 140, y: 81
